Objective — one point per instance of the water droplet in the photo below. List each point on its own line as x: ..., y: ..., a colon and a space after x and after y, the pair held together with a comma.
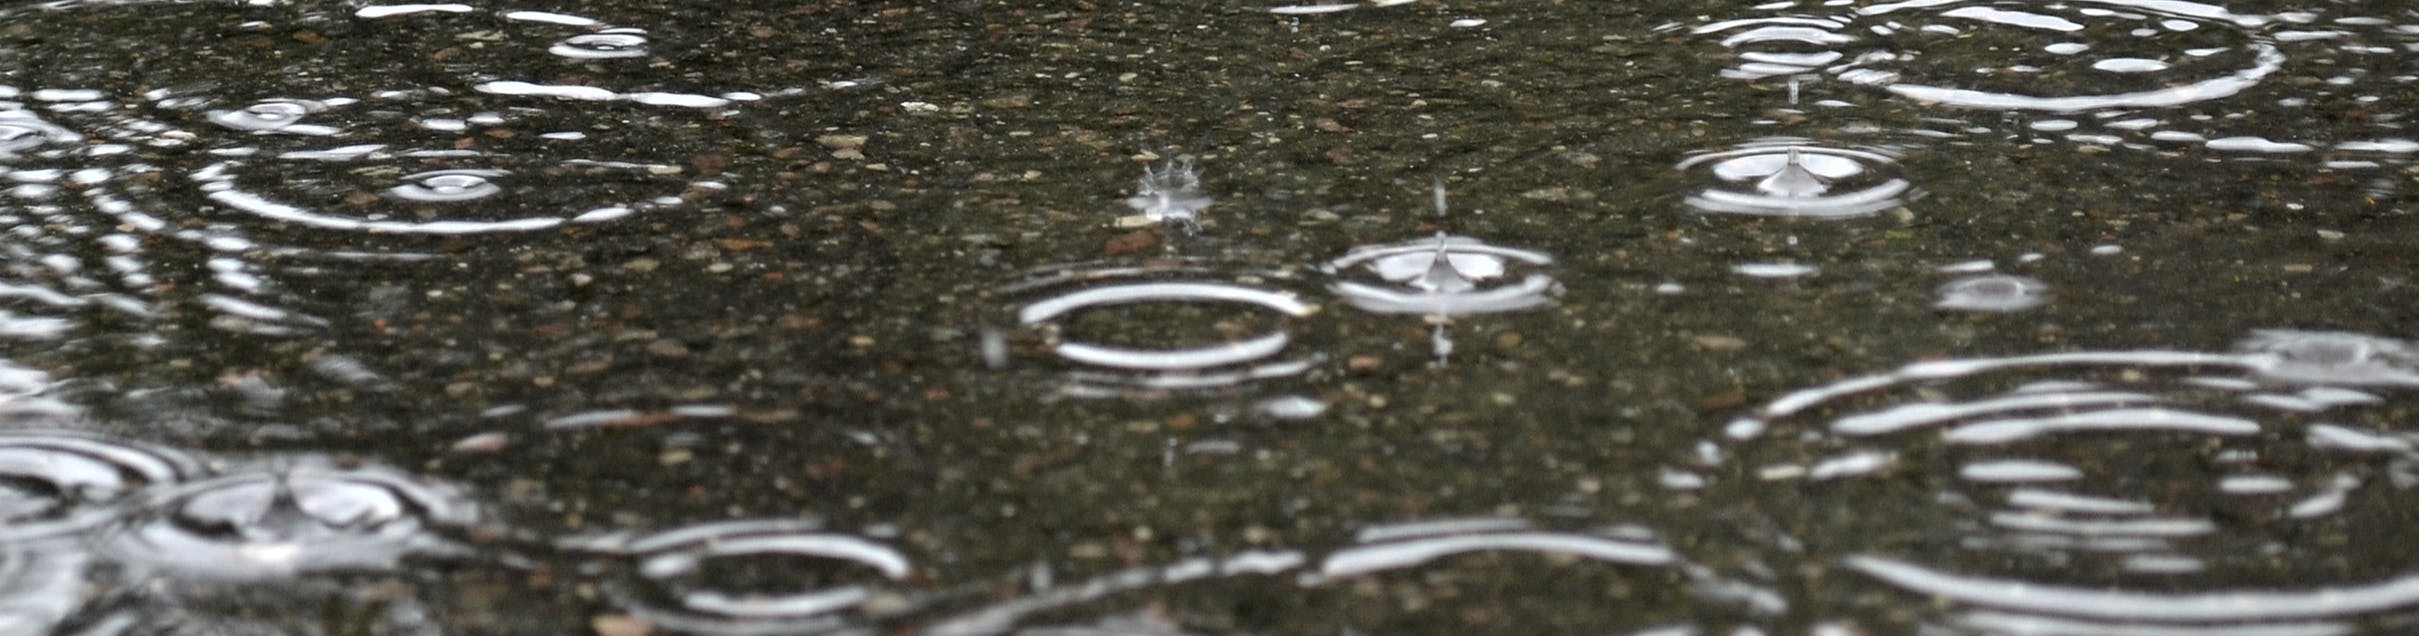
x: 1170, y: 193
x: 447, y: 186
x: 1996, y: 293
x: 755, y: 577
x: 275, y: 521
x: 1784, y: 176
x: 606, y: 45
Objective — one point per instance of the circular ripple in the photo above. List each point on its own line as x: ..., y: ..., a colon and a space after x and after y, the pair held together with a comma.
x: 1993, y: 293
x: 606, y: 45
x: 1095, y: 318
x: 756, y: 577
x: 278, y: 521
x: 2331, y: 357
x: 1786, y: 176
x: 2174, y: 489
x: 1491, y: 575
x: 367, y: 190
x: 22, y: 132
x: 1444, y: 276
x: 57, y: 482
x: 2071, y: 57
x: 275, y: 115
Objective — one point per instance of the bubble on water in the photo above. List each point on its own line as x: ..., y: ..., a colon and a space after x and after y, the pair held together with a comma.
x: 1786, y: 176
x: 60, y: 482
x: 1994, y: 293
x: 276, y: 115
x: 1091, y: 317
x: 2331, y: 357
x: 2165, y: 490
x: 603, y: 45
x: 288, y: 517
x: 755, y: 577
x: 448, y: 186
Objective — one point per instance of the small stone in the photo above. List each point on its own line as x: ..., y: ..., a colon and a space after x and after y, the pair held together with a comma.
x: 1134, y: 242
x: 842, y: 142
x: 1509, y: 340
x: 668, y: 348
x: 1720, y: 343
x: 1363, y: 364
x: 848, y: 154
x: 482, y: 443
x: 641, y: 265
x: 621, y: 625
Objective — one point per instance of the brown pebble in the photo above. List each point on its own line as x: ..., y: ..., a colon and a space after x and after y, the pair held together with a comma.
x: 841, y: 142
x: 621, y: 625
x: 668, y: 348
x: 1363, y: 364
x: 1721, y: 402
x: 1509, y: 340
x: 1135, y: 242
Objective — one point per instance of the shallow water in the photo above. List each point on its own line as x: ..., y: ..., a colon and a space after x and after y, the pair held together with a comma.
x: 1363, y: 317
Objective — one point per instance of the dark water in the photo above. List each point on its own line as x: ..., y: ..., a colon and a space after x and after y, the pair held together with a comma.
x: 1097, y: 318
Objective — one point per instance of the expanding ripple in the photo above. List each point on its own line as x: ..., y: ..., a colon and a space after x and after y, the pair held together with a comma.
x: 755, y: 577
x: 286, y: 517
x: 2075, y: 492
x: 1142, y: 327
x: 1787, y: 176
x: 54, y: 483
x: 1480, y: 575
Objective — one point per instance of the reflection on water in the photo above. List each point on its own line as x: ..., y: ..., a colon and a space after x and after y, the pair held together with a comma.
x: 2079, y: 491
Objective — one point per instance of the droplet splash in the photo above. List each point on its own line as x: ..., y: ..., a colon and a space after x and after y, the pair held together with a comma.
x: 1170, y: 193
x: 289, y: 517
x: 1787, y: 176
x: 59, y: 482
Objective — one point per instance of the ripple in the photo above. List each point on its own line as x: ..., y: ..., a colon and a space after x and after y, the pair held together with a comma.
x: 276, y: 115
x: 1786, y: 176
x: 2331, y: 357
x: 1446, y: 276
x: 1993, y: 293
x: 298, y: 516
x: 59, y: 482
x: 2189, y: 488
x: 1097, y: 318
x: 2063, y: 58
x: 755, y: 577
x: 40, y: 586
x: 610, y: 44
x: 1473, y: 575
